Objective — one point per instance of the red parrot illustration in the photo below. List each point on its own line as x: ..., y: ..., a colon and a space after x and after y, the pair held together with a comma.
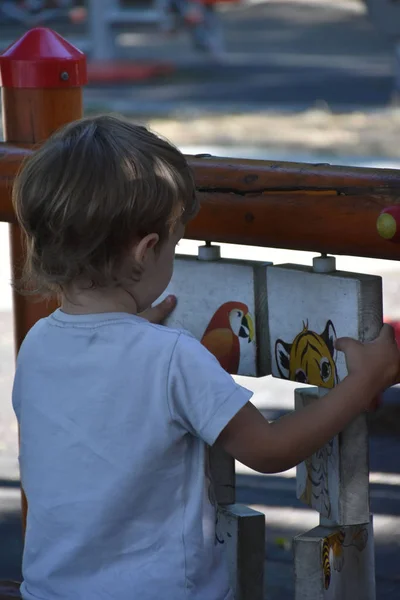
x: 230, y: 322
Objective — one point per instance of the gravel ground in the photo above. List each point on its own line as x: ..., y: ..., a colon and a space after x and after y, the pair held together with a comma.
x: 361, y: 135
x: 319, y: 131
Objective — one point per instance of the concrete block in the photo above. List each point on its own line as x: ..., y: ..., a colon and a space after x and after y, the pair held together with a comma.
x: 335, y: 563
x: 242, y: 531
x: 221, y: 467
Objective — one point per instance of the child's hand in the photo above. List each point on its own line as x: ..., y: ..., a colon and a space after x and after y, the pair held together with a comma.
x: 157, y: 314
x: 379, y: 359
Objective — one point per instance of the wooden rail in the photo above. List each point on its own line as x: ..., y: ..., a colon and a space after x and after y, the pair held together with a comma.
x: 319, y: 208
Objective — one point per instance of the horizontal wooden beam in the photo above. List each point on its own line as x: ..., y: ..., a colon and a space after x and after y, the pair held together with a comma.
x: 319, y: 208
x: 246, y: 176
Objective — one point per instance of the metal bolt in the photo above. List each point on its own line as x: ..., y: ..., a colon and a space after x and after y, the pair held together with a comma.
x: 324, y: 264
x: 64, y: 76
x: 209, y: 252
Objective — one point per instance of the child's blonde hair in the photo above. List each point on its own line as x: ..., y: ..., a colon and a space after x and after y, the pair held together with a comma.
x: 92, y: 190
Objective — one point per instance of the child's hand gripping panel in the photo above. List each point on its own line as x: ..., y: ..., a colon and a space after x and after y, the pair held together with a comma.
x: 218, y: 303
x: 307, y: 311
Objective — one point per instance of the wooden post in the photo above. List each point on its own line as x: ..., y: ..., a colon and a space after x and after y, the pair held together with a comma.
x: 41, y: 75
x: 242, y: 530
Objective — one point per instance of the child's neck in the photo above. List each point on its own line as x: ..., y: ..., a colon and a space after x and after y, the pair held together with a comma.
x: 78, y: 301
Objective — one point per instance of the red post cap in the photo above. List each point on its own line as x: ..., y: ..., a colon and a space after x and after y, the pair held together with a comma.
x: 42, y: 59
x: 388, y: 223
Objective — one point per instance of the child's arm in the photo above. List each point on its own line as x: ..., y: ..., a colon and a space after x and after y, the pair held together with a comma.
x: 270, y: 448
x: 275, y: 447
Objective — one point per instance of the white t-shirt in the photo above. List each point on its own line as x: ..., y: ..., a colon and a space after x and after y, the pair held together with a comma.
x: 115, y: 414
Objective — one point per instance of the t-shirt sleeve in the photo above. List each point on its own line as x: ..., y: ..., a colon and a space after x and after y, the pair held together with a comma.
x: 202, y: 397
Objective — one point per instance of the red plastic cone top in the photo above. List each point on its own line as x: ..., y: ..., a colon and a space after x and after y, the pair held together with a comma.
x: 42, y: 59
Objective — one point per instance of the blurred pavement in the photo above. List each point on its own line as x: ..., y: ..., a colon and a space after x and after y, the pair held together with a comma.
x: 283, y: 54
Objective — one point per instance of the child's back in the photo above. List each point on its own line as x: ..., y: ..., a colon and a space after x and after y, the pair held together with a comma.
x: 115, y: 484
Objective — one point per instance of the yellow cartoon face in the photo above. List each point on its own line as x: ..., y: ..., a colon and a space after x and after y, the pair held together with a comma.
x: 310, y: 358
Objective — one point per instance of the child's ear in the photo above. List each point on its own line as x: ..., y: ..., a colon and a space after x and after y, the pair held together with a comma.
x: 141, y: 249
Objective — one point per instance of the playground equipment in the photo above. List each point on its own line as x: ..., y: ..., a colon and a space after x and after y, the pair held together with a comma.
x: 204, y: 27
x: 319, y: 208
x: 33, y: 12
x: 109, y: 63
x: 385, y: 14
x: 199, y: 18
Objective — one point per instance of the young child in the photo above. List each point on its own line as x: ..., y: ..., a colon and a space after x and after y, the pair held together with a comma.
x: 115, y: 412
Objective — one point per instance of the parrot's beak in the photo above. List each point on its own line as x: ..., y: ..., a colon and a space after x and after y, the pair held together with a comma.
x: 247, y: 328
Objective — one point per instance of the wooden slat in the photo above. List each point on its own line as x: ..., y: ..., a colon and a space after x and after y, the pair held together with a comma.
x: 245, y: 175
x: 222, y: 468
x: 242, y: 531
x: 319, y: 208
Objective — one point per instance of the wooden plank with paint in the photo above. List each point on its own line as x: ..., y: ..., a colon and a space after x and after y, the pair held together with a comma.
x: 335, y: 480
x: 222, y: 474
x: 308, y: 310
x: 335, y: 563
x: 242, y: 531
x: 319, y: 208
x: 221, y: 303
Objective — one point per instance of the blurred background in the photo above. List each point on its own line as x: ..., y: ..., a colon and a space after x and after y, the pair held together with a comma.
x: 299, y: 80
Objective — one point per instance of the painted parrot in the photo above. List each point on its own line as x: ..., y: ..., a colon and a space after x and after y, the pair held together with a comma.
x: 229, y: 323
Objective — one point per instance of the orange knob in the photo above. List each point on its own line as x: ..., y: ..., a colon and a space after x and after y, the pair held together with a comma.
x: 388, y: 224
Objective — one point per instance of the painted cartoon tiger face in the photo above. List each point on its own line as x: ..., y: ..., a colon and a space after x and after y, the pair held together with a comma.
x: 310, y: 358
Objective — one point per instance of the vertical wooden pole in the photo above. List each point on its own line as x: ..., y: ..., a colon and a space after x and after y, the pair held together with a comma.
x: 42, y: 76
